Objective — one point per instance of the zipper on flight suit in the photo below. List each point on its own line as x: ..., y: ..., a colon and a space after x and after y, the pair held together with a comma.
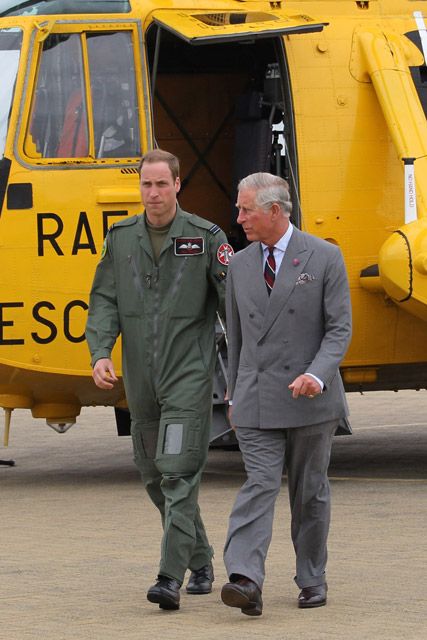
x: 175, y: 285
x: 155, y: 280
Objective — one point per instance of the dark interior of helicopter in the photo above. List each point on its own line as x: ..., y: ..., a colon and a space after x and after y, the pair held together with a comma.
x: 224, y: 110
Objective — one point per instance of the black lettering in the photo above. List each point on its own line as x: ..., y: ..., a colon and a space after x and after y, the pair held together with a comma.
x: 51, y: 237
x: 8, y: 323
x: 74, y: 303
x: 83, y: 223
x: 106, y: 215
x: 45, y: 321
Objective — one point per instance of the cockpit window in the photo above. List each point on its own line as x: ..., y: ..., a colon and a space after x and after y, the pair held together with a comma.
x: 78, y: 113
x: 10, y: 47
x: 50, y: 7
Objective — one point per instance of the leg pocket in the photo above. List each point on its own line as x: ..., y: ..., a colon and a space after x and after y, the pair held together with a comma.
x: 178, y: 445
x: 144, y: 439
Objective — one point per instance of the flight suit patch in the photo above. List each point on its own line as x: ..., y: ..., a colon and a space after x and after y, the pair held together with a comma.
x: 189, y: 246
x: 104, y: 249
x: 224, y: 253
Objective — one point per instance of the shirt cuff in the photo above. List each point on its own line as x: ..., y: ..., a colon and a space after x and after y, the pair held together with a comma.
x: 322, y: 384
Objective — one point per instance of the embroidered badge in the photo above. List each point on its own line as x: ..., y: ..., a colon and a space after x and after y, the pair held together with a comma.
x: 303, y: 278
x: 224, y: 253
x: 104, y: 249
x: 189, y: 246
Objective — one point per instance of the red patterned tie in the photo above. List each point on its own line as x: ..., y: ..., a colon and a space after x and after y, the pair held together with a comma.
x: 270, y: 270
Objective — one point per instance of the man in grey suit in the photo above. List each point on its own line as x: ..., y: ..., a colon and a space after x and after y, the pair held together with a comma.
x: 289, y: 325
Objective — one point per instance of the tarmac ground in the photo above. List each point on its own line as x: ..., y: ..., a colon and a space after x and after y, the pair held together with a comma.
x: 80, y: 539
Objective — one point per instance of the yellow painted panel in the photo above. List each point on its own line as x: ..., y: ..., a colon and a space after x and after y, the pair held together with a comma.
x: 197, y: 27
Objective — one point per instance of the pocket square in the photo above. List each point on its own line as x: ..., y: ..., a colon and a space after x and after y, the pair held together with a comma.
x: 303, y: 278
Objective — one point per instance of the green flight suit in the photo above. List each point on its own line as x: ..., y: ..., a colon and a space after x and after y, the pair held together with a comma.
x: 166, y: 315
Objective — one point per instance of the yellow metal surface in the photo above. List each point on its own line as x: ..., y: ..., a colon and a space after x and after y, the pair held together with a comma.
x: 195, y: 26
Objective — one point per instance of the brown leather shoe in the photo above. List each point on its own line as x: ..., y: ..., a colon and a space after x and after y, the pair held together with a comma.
x: 243, y: 594
x: 311, y: 597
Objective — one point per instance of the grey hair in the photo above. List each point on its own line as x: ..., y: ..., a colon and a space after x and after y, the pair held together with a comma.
x: 269, y: 189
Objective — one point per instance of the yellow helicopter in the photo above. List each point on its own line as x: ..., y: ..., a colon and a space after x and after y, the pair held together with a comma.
x: 330, y: 95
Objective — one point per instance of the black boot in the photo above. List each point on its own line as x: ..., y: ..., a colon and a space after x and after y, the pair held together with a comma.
x: 165, y: 593
x: 201, y: 580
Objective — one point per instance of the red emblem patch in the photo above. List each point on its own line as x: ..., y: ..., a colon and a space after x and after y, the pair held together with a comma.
x: 224, y: 253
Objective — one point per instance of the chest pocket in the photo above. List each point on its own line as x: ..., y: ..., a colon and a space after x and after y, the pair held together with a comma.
x: 130, y: 287
x: 187, y: 290
x: 306, y: 289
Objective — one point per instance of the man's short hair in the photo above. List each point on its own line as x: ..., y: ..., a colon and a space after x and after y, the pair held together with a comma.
x: 269, y: 189
x: 159, y: 155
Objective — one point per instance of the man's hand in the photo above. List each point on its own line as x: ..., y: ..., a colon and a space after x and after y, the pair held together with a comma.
x: 103, y: 373
x: 305, y: 386
x: 229, y: 413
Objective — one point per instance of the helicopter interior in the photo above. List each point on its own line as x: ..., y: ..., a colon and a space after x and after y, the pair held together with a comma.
x: 225, y: 111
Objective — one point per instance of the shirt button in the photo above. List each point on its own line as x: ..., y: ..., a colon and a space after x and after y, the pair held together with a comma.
x: 291, y: 311
x: 252, y: 315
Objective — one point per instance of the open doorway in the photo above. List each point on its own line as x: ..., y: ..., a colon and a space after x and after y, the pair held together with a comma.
x: 225, y: 110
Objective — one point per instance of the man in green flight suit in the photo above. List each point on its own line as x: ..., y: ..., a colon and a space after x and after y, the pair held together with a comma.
x: 159, y: 284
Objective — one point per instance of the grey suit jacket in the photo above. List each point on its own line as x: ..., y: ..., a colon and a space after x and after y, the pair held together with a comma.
x: 303, y: 326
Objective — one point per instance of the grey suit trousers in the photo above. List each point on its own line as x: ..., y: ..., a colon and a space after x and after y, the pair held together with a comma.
x: 305, y: 453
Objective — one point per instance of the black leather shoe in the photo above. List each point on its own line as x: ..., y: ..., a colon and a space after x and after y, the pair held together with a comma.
x: 165, y: 593
x: 311, y: 597
x: 243, y: 594
x: 201, y: 580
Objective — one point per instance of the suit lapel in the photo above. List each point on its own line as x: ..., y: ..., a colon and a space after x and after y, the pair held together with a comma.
x: 293, y: 263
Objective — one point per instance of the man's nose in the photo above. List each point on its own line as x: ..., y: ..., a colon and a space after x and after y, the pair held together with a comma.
x: 240, y: 217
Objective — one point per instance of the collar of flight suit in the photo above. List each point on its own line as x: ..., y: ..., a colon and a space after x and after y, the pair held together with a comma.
x: 176, y: 230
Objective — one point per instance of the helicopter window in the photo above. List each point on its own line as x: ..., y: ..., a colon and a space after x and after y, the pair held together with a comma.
x: 59, y: 122
x: 10, y: 45
x: 113, y: 89
x: 50, y: 7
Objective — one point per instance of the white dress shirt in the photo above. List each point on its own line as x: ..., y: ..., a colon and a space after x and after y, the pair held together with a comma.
x: 279, y: 248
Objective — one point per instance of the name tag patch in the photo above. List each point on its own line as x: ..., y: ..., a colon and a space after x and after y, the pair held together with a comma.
x: 189, y: 246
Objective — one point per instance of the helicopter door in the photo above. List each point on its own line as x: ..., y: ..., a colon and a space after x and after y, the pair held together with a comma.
x: 200, y: 28
x: 72, y: 174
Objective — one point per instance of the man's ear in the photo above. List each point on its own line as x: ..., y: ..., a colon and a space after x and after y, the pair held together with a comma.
x: 177, y: 185
x: 275, y: 210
